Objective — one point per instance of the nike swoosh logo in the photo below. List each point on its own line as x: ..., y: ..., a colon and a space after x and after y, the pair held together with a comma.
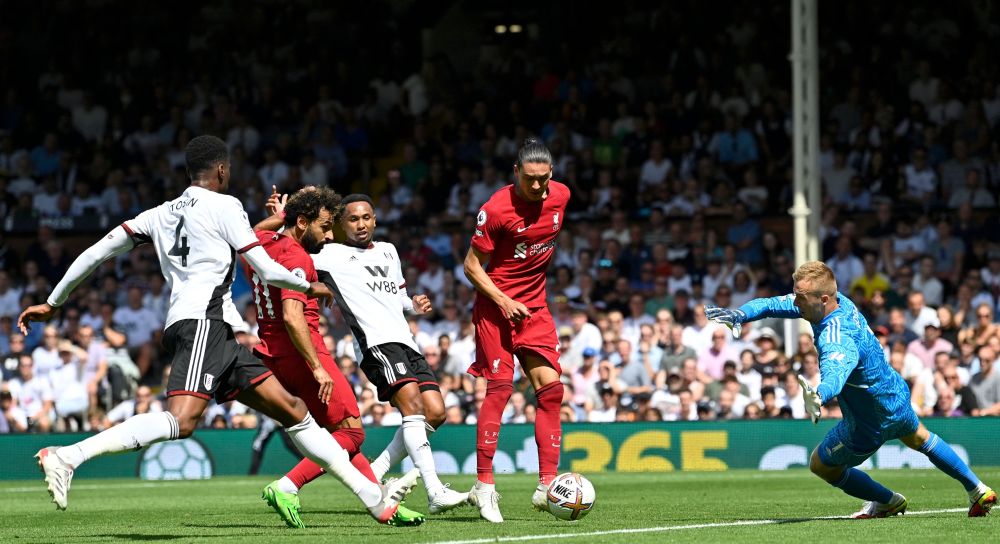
x: 522, y: 229
x: 489, y: 441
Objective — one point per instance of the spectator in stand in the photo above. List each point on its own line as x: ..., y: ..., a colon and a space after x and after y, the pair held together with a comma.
x: 928, y: 347
x: 142, y: 328
x: 845, y: 264
x: 921, y: 181
x: 971, y: 192
x: 918, y: 314
x: 986, y: 383
x: 745, y: 235
x: 33, y: 394
x: 926, y: 282
x: 46, y: 356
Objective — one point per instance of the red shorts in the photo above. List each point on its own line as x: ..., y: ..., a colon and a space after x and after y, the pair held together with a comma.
x: 294, y: 374
x: 498, y: 340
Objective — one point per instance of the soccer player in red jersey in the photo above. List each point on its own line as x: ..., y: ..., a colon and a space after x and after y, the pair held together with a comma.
x: 516, y: 234
x: 293, y: 348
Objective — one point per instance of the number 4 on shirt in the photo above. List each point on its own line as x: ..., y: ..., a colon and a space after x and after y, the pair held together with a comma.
x: 180, y: 248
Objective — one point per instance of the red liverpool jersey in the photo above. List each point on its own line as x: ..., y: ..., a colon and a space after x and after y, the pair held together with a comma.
x: 274, y: 339
x: 520, y: 237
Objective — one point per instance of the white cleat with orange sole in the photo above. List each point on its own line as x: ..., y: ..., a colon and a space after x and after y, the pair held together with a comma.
x: 58, y: 475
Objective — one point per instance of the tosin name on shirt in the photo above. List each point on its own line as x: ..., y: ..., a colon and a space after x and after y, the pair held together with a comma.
x: 181, y: 204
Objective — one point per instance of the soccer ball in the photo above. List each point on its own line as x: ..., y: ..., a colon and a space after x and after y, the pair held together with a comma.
x: 570, y: 496
x: 176, y: 460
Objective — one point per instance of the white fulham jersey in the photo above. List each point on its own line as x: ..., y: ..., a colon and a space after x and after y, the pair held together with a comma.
x: 197, y: 236
x: 370, y: 290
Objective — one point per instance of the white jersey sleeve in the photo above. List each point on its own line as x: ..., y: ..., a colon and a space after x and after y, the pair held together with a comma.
x: 141, y: 227
x: 115, y: 243
x: 400, y: 279
x: 234, y: 225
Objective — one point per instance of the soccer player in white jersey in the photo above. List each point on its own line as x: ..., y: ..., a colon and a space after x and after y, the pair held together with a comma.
x: 367, y: 281
x: 197, y: 237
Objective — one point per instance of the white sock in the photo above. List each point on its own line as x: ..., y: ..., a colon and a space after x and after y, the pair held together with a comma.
x: 978, y: 491
x: 394, y: 452
x: 285, y: 485
x: 319, y: 446
x: 132, y: 434
x: 415, y: 437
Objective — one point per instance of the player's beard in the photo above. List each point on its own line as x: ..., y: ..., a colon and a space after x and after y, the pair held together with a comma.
x: 310, y: 243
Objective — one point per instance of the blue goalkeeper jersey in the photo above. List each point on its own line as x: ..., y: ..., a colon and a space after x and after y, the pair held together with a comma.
x: 873, y: 396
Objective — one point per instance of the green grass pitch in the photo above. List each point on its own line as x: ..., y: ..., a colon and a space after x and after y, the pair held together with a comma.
x: 734, y: 506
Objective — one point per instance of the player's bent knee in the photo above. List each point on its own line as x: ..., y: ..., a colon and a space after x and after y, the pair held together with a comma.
x: 817, y: 467
x: 501, y: 389
x: 409, y: 401
x: 917, y: 439
x: 297, y: 407
x: 186, y: 426
x: 434, y: 416
x: 434, y: 412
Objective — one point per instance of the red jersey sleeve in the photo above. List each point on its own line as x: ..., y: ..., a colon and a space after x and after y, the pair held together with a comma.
x: 489, y: 229
x: 298, y: 262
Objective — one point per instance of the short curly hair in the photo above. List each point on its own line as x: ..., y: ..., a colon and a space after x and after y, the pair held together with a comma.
x: 204, y: 153
x: 308, y: 202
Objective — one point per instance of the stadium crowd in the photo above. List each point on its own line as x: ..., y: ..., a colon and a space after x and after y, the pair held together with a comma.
x: 679, y: 164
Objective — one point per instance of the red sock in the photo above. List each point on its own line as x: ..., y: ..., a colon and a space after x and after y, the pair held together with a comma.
x: 349, y: 439
x: 361, y: 463
x: 488, y: 427
x: 304, y: 472
x: 548, y: 430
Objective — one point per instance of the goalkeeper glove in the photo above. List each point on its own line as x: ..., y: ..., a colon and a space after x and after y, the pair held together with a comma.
x: 730, y: 318
x: 811, y: 398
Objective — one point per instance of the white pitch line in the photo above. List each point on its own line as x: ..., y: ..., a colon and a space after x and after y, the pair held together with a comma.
x: 669, y: 528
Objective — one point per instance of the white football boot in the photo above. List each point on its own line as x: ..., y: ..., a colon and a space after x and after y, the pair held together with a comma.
x: 897, y: 505
x: 445, y: 499
x: 58, y: 475
x: 539, y: 499
x: 486, y: 498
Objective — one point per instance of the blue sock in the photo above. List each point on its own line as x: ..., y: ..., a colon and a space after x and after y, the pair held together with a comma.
x: 857, y: 483
x: 945, y: 458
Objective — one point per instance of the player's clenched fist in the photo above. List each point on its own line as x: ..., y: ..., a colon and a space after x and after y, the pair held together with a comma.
x: 421, y: 304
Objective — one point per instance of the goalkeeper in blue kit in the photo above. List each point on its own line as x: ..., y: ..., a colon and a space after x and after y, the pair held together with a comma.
x: 873, y: 397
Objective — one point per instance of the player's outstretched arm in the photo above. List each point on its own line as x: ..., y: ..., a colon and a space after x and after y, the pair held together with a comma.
x: 782, y: 307
x: 272, y: 272
x: 273, y: 222
x: 839, y: 359
x: 512, y: 309
x: 115, y: 243
x: 292, y: 311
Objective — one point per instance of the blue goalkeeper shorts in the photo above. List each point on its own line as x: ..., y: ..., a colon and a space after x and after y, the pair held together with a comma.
x: 848, y: 445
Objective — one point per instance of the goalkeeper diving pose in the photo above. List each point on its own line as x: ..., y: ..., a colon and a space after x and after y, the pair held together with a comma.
x: 873, y: 397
